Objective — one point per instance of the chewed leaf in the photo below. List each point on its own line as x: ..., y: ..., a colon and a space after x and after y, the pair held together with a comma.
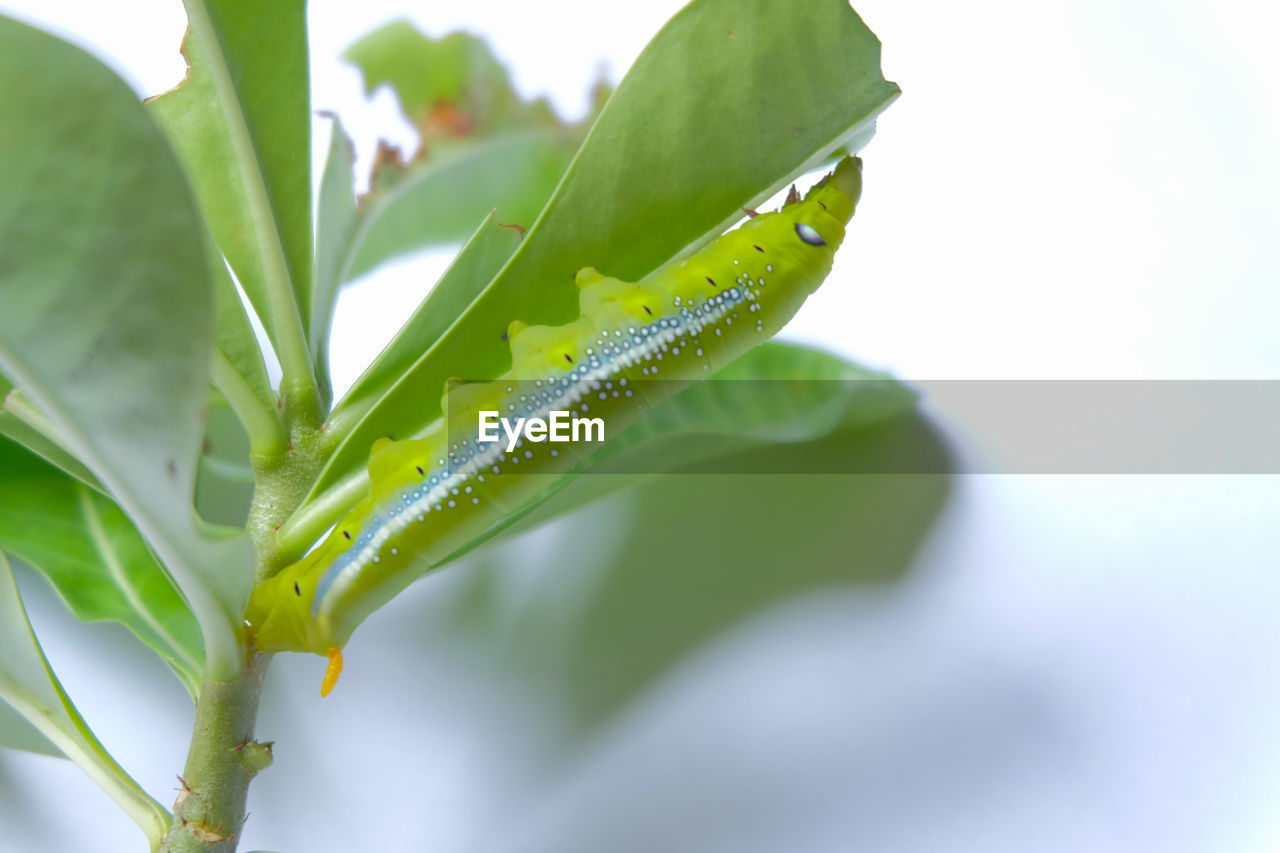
x: 481, y: 147
x: 239, y: 121
x: 449, y: 87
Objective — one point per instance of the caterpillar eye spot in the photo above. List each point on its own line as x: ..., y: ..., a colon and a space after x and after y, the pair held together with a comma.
x: 710, y: 281
x: 646, y: 310
x: 420, y: 471
x: 297, y: 590
x: 809, y: 235
x: 568, y: 358
x: 757, y: 248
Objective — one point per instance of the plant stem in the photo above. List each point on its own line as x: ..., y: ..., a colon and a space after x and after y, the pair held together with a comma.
x: 222, y: 759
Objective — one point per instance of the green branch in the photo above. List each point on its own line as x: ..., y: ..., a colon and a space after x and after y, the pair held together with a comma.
x: 261, y: 423
x: 210, y: 809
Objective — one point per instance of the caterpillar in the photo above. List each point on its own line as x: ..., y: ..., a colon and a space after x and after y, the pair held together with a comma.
x: 431, y: 495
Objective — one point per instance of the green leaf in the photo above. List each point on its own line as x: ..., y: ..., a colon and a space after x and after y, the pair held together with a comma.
x: 336, y: 219
x: 447, y: 87
x: 29, y: 685
x: 17, y: 733
x: 775, y: 393
x: 238, y: 369
x: 475, y: 265
x: 107, y: 320
x: 241, y: 124
x: 729, y: 102
x: 664, y: 570
x: 440, y: 201
x: 94, y: 557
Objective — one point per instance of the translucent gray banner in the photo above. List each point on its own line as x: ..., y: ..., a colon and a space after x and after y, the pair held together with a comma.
x: 875, y: 426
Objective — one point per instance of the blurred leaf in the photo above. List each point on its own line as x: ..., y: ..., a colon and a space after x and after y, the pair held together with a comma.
x: 29, y: 685
x: 481, y: 146
x: 776, y: 393
x: 728, y: 103
x: 447, y: 87
x: 627, y: 604
x: 94, y: 557
x: 107, y: 320
x: 17, y: 733
x: 336, y: 220
x: 241, y: 123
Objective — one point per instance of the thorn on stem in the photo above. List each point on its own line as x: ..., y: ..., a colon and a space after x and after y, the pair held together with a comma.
x: 183, y: 792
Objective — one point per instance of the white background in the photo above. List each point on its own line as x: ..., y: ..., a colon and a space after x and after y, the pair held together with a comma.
x: 1064, y: 190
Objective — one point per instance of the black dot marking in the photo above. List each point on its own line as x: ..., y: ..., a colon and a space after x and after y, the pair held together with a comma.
x: 646, y: 310
x: 757, y: 248
x: 297, y: 590
x: 710, y: 281
x: 421, y: 473
x: 346, y: 533
x: 568, y: 358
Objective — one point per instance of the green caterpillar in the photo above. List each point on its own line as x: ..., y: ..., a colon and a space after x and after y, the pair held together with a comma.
x: 431, y: 495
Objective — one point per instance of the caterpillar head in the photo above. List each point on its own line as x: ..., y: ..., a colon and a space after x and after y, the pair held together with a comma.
x: 821, y: 216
